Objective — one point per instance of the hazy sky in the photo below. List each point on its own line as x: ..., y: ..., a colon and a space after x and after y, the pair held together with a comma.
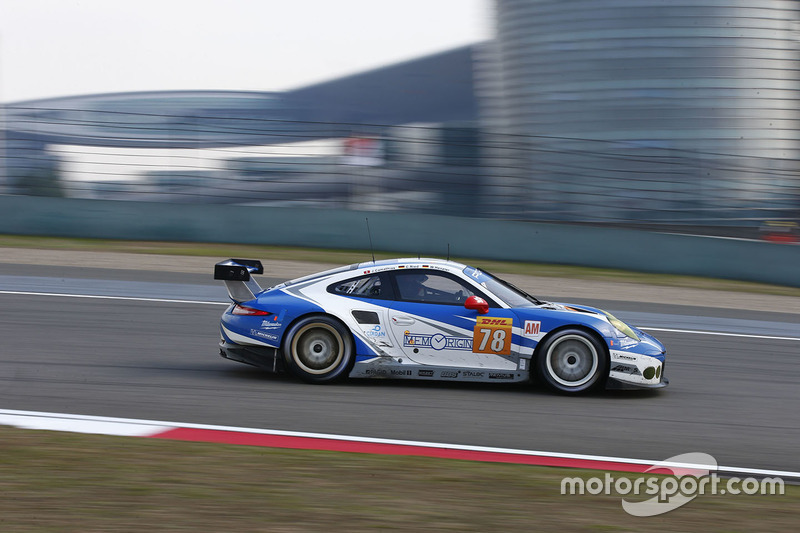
x: 65, y: 47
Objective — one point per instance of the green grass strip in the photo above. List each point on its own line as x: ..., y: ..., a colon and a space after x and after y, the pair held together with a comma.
x: 61, y: 482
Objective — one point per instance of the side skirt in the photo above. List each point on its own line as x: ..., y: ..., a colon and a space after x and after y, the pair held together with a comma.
x: 378, y: 368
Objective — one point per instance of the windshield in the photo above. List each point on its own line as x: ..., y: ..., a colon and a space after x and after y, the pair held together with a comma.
x: 504, y: 290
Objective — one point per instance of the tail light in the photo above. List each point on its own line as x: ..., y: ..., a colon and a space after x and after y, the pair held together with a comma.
x: 248, y: 311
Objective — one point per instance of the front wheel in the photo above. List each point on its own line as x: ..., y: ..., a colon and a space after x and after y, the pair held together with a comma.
x: 318, y: 349
x: 573, y: 361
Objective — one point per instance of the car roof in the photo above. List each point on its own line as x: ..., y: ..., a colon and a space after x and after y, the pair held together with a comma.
x: 415, y: 262
x: 383, y: 264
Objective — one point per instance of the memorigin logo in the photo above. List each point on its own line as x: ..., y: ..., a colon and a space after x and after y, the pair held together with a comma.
x: 436, y: 341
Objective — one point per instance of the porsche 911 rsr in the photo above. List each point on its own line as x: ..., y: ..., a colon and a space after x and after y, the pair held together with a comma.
x: 428, y: 319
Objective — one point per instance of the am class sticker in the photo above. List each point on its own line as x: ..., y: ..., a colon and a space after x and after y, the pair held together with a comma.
x: 531, y: 328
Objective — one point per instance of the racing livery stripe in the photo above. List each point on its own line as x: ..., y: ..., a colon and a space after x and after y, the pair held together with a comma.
x: 344, y: 443
x: 241, y: 339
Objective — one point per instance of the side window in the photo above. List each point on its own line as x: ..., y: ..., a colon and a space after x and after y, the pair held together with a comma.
x: 430, y: 286
x: 363, y: 287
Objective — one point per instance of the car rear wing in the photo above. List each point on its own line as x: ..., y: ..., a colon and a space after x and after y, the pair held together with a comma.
x: 236, y: 273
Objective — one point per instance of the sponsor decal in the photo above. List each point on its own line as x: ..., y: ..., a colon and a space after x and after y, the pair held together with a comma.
x: 492, y: 335
x: 622, y: 357
x: 531, y: 328
x: 500, y: 375
x: 400, y: 372
x: 274, y: 321
x: 425, y: 373
x: 489, y: 321
x: 436, y: 341
x: 448, y: 374
x: 263, y: 334
x: 472, y: 374
x: 376, y: 372
x: 626, y: 369
x: 375, y: 332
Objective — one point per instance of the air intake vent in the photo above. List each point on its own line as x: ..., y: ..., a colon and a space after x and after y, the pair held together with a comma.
x: 366, y: 317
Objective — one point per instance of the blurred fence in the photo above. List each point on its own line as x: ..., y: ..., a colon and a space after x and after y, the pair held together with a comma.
x: 455, y: 169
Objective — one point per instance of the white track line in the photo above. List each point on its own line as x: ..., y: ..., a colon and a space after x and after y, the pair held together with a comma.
x: 127, y: 298
x: 723, y: 334
x: 135, y: 427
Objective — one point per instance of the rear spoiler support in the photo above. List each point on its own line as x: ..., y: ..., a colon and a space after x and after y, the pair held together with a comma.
x: 236, y: 273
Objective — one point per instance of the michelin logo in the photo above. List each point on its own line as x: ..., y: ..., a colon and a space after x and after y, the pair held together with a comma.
x: 437, y: 342
x: 263, y: 335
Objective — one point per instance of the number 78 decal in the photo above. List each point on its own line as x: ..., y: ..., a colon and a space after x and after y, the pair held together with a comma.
x: 492, y: 335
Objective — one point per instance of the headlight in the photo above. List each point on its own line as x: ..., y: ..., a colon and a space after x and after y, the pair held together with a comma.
x: 621, y: 326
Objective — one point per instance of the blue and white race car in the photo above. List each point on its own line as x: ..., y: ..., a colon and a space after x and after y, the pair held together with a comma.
x: 428, y: 319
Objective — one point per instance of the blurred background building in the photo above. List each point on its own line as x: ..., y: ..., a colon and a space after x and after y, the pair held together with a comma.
x: 674, y: 115
x: 376, y: 140
x: 646, y: 110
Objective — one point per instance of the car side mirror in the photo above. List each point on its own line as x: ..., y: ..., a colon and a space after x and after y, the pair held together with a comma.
x: 476, y: 303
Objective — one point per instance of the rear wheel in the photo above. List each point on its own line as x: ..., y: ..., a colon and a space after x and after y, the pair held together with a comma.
x: 573, y: 361
x: 318, y: 349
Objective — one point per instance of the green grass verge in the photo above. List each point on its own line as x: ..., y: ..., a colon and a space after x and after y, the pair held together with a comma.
x: 344, y: 257
x: 84, y: 483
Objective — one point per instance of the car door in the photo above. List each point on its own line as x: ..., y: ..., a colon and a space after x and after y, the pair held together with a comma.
x: 429, y: 322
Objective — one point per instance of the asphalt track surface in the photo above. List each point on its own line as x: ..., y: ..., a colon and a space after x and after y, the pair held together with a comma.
x: 734, y: 397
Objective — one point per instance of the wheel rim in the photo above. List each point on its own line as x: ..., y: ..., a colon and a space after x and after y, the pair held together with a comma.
x: 317, y: 348
x: 572, y: 361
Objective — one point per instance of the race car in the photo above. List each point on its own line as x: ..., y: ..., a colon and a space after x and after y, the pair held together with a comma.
x: 427, y: 319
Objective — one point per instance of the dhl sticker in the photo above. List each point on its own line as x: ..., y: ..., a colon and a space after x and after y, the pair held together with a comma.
x: 490, y: 321
x: 492, y: 335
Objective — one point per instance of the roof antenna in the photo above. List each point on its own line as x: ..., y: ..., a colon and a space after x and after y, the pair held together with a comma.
x: 448, y: 251
x: 371, y: 249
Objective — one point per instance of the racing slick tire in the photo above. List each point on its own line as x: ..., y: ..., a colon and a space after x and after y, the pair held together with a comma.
x: 318, y: 349
x: 573, y: 361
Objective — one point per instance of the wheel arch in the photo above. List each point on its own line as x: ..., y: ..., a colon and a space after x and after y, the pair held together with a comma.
x: 582, y: 327
x: 310, y: 314
x: 344, y: 330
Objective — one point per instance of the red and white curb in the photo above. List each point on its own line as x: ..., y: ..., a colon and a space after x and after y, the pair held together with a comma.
x: 344, y: 443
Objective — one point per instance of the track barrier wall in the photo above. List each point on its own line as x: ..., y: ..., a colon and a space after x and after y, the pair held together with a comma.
x: 406, y: 233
